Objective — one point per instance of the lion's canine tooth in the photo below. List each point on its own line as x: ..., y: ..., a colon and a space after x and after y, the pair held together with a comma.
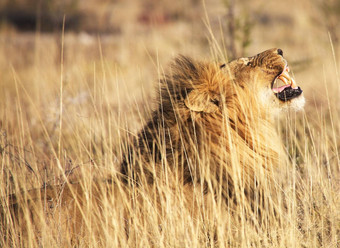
x: 293, y: 84
x: 287, y: 78
x: 284, y: 79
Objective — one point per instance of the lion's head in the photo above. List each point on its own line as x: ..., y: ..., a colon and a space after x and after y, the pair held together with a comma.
x: 264, y: 76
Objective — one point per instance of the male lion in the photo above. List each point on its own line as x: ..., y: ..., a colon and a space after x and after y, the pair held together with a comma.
x: 214, y: 128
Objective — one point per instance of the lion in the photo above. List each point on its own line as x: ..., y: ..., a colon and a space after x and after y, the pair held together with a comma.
x: 215, y: 122
x: 214, y: 130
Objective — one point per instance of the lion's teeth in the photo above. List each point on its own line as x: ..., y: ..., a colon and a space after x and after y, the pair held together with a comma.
x: 284, y: 79
x: 286, y: 75
x: 293, y: 84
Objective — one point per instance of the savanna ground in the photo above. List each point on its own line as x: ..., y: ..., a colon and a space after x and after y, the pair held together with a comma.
x: 68, y: 100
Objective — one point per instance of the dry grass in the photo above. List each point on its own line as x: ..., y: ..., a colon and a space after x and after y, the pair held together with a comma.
x: 67, y: 120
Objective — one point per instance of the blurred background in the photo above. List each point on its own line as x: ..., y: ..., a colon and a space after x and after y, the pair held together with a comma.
x: 243, y: 24
x: 304, y: 29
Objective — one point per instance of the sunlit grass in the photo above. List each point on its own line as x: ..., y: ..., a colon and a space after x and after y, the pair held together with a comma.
x: 71, y: 125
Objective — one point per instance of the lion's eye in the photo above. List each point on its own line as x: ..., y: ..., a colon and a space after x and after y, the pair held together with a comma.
x: 215, y: 101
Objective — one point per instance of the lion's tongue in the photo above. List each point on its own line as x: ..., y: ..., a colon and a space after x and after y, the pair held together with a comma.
x: 280, y: 89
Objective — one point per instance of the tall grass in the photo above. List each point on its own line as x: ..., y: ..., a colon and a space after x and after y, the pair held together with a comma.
x: 73, y: 134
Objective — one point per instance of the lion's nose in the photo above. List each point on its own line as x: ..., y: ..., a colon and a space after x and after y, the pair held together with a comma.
x: 279, y: 51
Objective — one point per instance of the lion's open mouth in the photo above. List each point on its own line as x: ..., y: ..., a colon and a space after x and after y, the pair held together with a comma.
x: 289, y: 89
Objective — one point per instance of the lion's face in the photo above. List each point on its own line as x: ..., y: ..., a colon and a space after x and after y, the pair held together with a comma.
x: 267, y: 76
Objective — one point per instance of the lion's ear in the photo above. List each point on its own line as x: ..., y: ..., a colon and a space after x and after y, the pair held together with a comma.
x: 201, y: 102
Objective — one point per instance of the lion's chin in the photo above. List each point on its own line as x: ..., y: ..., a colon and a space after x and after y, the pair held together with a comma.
x: 297, y: 103
x: 274, y: 105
